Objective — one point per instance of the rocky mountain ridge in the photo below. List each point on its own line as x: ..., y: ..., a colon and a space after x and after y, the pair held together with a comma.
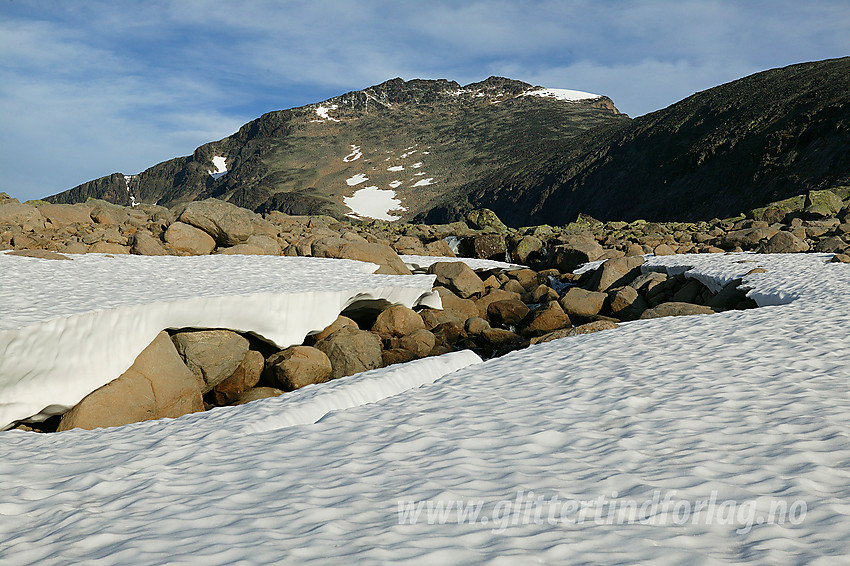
x: 419, y: 139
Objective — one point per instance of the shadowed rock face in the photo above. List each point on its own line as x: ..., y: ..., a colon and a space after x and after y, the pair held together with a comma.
x: 738, y: 146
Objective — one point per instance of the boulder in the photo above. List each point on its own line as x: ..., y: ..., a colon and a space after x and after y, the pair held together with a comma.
x: 528, y: 250
x: 188, y: 240
x: 434, y: 318
x: 675, y: 309
x: 409, y: 245
x: 227, y: 223
x: 257, y: 393
x: 397, y: 356
x: 543, y: 294
x: 486, y: 246
x: 567, y: 257
x: 246, y: 376
x: 420, y: 342
x: 398, y: 320
x: 497, y: 337
x: 782, y: 243
x: 40, y: 254
x: 832, y: 244
x: 23, y: 215
x: 438, y: 248
x: 663, y: 249
x: 381, y: 254
x: 351, y: 351
x: 484, y: 219
x: 689, y: 292
x: 449, y: 332
x: 507, y: 311
x: 475, y: 326
x: 589, y: 328
x: 66, y: 214
x: 616, y: 272
x: 626, y: 303
x: 822, y: 204
x: 157, y: 385
x: 528, y: 278
x: 495, y: 295
x: 582, y: 303
x: 747, y: 238
x: 212, y: 355
x: 458, y: 277
x: 340, y: 322
x: 145, y: 244
x: 550, y: 318
x: 298, y: 366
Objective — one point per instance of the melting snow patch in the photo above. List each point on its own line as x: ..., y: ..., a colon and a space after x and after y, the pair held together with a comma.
x: 407, y: 154
x: 562, y: 94
x: 356, y: 179
x: 417, y: 165
x: 372, y: 202
x: 219, y: 166
x: 395, y: 184
x: 127, y: 179
x: 322, y: 112
x: 396, y: 168
x: 354, y: 155
x: 423, y: 182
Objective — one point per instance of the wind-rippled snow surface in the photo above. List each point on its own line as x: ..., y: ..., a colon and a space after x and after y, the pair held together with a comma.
x: 751, y: 405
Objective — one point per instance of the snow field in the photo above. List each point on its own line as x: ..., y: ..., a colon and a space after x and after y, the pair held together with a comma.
x: 356, y: 179
x: 562, y: 94
x: 745, y: 406
x: 372, y: 202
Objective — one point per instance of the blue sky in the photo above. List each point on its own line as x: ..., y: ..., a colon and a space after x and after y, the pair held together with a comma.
x: 88, y: 88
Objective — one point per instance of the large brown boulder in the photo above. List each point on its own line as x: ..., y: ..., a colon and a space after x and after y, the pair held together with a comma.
x: 66, y: 214
x: 616, y: 272
x: 381, y: 254
x: 509, y: 311
x: 463, y: 308
x: 188, y: 240
x: 675, y: 309
x: 582, y: 303
x: 212, y: 355
x: 298, y: 366
x: 398, y: 320
x: 227, y: 223
x: 420, y: 342
x: 495, y: 295
x: 545, y: 320
x: 568, y: 257
x: 24, y: 215
x: 157, y: 385
x: 246, y: 376
x: 626, y: 303
x: 351, y: 351
x: 783, y: 243
x: 145, y: 244
x: 458, y: 277
x: 340, y: 322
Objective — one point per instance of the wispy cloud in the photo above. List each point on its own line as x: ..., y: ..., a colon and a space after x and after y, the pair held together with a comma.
x: 91, y: 88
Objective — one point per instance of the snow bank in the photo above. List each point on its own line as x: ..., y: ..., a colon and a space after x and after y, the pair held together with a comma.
x: 372, y: 202
x: 562, y: 94
x: 748, y: 407
x: 69, y: 327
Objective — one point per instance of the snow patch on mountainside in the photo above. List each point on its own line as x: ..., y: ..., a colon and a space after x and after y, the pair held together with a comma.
x: 322, y: 113
x: 395, y: 168
x: 372, y: 202
x: 219, y: 167
x: 356, y: 179
x: 562, y: 94
x: 395, y: 184
x: 354, y: 155
x: 423, y: 182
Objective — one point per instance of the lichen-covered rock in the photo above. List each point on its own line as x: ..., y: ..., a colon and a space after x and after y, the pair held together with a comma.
x: 822, y: 204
